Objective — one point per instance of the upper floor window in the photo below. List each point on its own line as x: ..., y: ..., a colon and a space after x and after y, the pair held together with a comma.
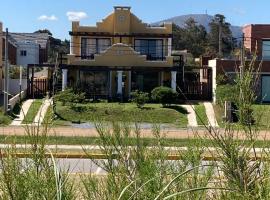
x: 152, y: 48
x: 92, y: 46
x: 266, y: 49
x: 23, y: 53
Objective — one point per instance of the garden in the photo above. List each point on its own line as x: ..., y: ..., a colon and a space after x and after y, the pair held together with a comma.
x: 159, y: 107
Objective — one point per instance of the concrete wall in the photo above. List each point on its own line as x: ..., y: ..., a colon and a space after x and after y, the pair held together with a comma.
x: 32, y: 53
x: 14, y: 85
x: 16, y: 99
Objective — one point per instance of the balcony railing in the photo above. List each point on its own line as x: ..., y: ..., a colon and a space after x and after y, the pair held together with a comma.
x: 158, y: 54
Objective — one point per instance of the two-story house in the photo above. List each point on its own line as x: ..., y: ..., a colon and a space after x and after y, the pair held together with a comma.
x: 118, y: 55
x: 256, y: 41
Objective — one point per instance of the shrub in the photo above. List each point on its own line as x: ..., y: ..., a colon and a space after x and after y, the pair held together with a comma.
x: 140, y: 98
x: 164, y: 95
x: 225, y: 93
x: 68, y: 96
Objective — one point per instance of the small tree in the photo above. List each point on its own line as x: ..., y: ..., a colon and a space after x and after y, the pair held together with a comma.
x: 164, y: 95
x: 68, y: 96
x: 140, y: 98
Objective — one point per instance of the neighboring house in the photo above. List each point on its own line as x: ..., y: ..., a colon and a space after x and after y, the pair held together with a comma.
x: 27, y: 53
x: 28, y: 42
x: 257, y: 40
x: 119, y: 55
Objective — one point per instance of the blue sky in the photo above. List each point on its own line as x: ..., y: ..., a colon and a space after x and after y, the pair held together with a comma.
x: 31, y: 15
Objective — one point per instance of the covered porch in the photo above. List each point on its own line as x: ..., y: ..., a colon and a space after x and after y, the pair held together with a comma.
x: 116, y: 82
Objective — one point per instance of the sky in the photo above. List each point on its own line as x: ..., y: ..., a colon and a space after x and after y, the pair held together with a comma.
x: 56, y: 15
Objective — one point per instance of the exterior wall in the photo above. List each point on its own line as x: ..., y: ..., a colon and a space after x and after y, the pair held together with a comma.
x: 1, y: 46
x: 12, y: 52
x: 231, y: 67
x: 1, y: 56
x: 32, y: 53
x: 213, y: 65
x: 254, y: 33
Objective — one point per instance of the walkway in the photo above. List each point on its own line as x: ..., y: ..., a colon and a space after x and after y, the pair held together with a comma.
x: 42, y: 112
x: 210, y: 114
x: 25, y: 107
x: 145, y: 133
x: 192, y: 120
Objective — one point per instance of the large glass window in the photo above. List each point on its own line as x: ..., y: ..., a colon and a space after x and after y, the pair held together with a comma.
x: 152, y: 48
x: 92, y: 46
x: 266, y: 49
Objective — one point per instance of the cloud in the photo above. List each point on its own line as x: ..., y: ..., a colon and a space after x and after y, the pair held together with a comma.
x: 76, y: 16
x: 47, y: 18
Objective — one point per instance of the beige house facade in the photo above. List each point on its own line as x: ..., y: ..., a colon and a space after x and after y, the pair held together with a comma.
x: 119, y: 55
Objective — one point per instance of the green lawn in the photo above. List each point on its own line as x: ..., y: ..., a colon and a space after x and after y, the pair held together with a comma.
x: 169, y: 142
x: 4, y: 119
x: 123, y: 112
x: 32, y: 112
x: 201, y: 114
x: 262, y: 115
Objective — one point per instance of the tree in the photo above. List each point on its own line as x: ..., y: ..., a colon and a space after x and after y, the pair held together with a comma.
x: 227, y: 41
x: 192, y: 37
x: 44, y: 31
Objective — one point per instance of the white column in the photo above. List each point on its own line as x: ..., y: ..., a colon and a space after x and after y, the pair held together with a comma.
x: 119, y: 81
x: 173, y: 80
x: 169, y: 46
x: 64, y: 79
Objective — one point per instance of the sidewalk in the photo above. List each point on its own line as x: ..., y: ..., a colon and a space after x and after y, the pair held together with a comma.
x: 146, y: 133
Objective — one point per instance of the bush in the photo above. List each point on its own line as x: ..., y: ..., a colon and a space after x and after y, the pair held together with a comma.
x: 68, y: 96
x: 164, y: 95
x: 140, y: 98
x: 225, y: 93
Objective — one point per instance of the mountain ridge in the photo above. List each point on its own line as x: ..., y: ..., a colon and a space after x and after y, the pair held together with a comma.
x: 203, y: 19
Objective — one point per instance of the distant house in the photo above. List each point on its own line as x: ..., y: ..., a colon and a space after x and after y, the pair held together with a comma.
x: 118, y: 55
x: 32, y: 47
x: 257, y: 40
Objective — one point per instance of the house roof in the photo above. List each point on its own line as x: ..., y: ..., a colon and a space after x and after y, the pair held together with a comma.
x: 40, y: 38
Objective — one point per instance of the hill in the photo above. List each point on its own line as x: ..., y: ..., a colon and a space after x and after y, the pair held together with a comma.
x: 202, y: 19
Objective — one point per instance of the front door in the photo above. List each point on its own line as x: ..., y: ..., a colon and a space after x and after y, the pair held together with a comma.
x: 266, y: 88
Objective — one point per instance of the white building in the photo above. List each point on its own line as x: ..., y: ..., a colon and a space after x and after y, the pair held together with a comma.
x: 27, y: 53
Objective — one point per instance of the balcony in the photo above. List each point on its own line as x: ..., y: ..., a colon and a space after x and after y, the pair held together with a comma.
x: 120, y: 55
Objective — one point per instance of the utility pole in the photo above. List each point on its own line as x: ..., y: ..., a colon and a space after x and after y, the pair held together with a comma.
x: 6, y: 74
x: 220, y: 40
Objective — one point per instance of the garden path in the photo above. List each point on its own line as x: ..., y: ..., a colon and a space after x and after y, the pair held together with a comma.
x: 42, y: 111
x: 25, y: 107
x: 192, y: 120
x: 210, y: 114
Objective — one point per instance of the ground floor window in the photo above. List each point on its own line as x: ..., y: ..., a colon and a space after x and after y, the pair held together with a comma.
x: 266, y: 88
x: 94, y: 83
x: 144, y: 81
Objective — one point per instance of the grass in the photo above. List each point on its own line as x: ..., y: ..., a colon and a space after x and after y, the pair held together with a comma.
x: 79, y: 140
x: 262, y: 113
x: 32, y: 112
x: 123, y: 112
x: 4, y: 119
x: 201, y: 114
